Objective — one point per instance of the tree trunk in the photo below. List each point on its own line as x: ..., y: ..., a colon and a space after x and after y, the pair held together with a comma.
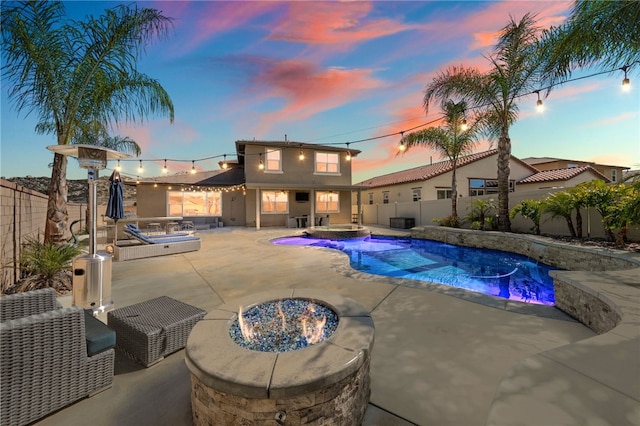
x: 578, y: 223
x: 570, y: 225
x: 454, y: 195
x: 504, y: 154
x: 57, y: 217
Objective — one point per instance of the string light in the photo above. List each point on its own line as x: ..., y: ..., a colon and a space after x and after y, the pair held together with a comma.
x: 224, y: 162
x: 402, y: 147
x: 539, y: 105
x: 348, y: 156
x: 626, y: 84
x: 193, y: 167
x: 261, y: 164
x: 464, y: 125
x: 164, y: 169
x: 118, y: 168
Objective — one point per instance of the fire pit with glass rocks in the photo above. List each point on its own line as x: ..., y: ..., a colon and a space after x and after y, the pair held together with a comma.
x: 290, y: 357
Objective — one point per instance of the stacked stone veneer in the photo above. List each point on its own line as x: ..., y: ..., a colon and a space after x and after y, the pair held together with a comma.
x: 338, y: 232
x: 556, y: 254
x: 342, y: 403
x: 324, y: 384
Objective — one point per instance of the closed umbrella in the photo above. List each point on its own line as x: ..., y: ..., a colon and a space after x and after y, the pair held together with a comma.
x: 115, y: 204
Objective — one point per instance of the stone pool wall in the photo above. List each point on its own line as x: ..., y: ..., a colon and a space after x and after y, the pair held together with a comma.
x: 556, y: 254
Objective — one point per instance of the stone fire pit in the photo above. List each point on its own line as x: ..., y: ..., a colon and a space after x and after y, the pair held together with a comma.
x: 323, y: 383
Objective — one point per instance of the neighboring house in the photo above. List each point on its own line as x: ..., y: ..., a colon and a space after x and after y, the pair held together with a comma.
x: 612, y: 173
x: 476, y: 175
x: 561, y: 178
x: 271, y: 183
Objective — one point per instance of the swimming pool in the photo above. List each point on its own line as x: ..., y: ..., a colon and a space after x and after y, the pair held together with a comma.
x: 496, y: 273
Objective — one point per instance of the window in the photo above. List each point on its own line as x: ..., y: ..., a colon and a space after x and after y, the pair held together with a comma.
x: 327, y: 163
x: 444, y: 194
x: 371, y: 198
x: 385, y: 197
x: 614, y: 175
x: 274, y: 160
x: 486, y: 186
x: 275, y: 202
x: 327, y: 202
x: 200, y: 203
x: 416, y: 194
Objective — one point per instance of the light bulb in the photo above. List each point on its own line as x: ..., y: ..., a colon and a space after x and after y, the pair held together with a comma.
x: 301, y: 156
x: 164, y: 169
x: 193, y: 167
x: 626, y: 84
x: 464, y: 126
x: 118, y: 168
x: 140, y: 168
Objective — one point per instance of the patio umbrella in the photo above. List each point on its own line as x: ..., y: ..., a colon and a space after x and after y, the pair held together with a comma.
x: 115, y: 204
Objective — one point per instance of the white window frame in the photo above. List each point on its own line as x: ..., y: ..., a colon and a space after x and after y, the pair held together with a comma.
x: 385, y: 197
x: 279, y: 197
x: 326, y: 200
x: 323, y: 165
x: 273, y: 160
x: 371, y: 198
x: 614, y: 175
x: 447, y: 193
x: 416, y: 194
x: 212, y: 200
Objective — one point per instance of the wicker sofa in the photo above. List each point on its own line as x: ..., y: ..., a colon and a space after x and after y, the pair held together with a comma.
x: 44, y: 364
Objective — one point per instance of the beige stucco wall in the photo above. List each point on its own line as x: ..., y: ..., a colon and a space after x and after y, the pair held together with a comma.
x: 294, y: 171
x: 485, y: 168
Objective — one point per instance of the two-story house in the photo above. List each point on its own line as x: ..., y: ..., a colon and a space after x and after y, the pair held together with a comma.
x: 271, y: 183
x: 612, y: 173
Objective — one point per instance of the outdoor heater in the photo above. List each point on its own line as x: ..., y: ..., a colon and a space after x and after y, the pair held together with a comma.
x: 91, y: 272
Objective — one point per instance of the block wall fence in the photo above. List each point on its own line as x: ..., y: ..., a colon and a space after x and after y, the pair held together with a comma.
x: 22, y: 214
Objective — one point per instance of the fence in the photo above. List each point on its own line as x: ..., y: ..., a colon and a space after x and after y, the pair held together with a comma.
x: 424, y: 213
x: 23, y: 213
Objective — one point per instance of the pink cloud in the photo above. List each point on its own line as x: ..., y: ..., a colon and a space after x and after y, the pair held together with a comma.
x: 342, y: 23
x: 629, y: 115
x: 212, y: 18
x: 308, y: 90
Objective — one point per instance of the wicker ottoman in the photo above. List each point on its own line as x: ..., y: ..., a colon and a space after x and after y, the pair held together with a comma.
x: 149, y: 330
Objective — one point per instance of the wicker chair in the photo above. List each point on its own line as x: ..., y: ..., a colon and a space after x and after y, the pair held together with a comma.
x: 44, y: 364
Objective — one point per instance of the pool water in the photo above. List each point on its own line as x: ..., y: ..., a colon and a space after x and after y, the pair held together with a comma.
x: 496, y: 273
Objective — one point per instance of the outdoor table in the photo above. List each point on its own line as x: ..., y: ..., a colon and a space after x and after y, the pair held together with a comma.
x: 150, y: 330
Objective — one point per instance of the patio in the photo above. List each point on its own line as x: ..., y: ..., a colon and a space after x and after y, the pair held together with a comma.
x: 437, y: 359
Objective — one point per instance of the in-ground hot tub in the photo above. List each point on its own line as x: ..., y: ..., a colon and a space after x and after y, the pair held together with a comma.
x: 338, y: 232
x: 319, y: 378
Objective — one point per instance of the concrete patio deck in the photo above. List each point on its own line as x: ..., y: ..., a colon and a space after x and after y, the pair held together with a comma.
x: 437, y: 359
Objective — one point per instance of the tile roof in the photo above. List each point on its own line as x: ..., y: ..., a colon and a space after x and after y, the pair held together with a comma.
x: 561, y: 175
x: 541, y: 160
x: 424, y: 172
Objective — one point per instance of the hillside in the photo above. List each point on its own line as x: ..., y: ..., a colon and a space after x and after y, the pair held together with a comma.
x: 78, y: 188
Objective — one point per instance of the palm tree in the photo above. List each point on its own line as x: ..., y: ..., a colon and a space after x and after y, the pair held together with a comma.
x: 561, y: 204
x: 598, y: 33
x: 516, y: 69
x: 454, y: 139
x: 75, y: 72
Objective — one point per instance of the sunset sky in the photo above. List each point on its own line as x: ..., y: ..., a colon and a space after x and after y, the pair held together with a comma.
x: 333, y: 73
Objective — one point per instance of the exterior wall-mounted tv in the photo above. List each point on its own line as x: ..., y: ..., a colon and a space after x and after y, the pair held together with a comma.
x: 302, y: 197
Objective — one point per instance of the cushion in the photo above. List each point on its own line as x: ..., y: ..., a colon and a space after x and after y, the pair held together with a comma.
x: 98, y: 335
